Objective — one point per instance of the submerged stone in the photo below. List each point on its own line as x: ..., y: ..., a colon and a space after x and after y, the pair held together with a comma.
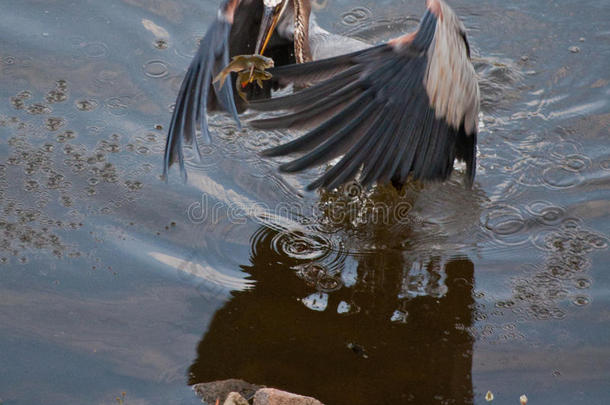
x: 272, y: 396
x: 211, y: 391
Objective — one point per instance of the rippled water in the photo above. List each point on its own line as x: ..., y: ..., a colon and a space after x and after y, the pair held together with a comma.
x: 112, y: 281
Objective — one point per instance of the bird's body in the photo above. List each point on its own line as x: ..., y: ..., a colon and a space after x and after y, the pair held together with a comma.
x: 406, y: 108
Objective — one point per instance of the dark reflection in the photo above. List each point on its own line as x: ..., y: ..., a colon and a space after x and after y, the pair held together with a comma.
x: 390, y: 329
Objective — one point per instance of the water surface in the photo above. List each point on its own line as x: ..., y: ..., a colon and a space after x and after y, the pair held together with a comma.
x: 112, y: 281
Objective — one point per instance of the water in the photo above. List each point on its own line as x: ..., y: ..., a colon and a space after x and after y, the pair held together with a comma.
x: 113, y: 281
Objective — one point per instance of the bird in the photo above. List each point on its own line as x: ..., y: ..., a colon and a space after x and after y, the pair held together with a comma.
x: 404, y: 109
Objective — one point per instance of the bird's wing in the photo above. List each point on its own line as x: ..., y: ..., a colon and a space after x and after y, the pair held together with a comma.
x: 404, y: 108
x: 191, y: 103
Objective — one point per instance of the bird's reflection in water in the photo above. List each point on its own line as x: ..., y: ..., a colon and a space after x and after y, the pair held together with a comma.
x: 368, y: 329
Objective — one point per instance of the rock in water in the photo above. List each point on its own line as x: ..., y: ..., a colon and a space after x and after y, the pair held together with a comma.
x: 235, y: 399
x: 272, y: 396
x: 211, y: 391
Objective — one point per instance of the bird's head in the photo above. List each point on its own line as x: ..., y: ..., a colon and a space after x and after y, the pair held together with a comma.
x: 272, y: 12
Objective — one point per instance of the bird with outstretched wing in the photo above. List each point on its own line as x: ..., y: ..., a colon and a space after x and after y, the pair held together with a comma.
x: 403, y: 109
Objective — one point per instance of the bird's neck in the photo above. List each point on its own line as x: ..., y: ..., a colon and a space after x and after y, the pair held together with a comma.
x: 302, y: 11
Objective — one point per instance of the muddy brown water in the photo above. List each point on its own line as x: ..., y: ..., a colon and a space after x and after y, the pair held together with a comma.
x: 112, y: 281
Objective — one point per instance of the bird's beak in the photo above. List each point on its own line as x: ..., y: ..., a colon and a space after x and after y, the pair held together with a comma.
x: 271, y: 15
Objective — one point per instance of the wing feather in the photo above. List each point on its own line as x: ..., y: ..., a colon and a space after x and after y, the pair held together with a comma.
x: 336, y: 144
x: 308, y: 95
x: 314, y: 72
x: 321, y: 133
x: 350, y: 163
x: 320, y: 109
